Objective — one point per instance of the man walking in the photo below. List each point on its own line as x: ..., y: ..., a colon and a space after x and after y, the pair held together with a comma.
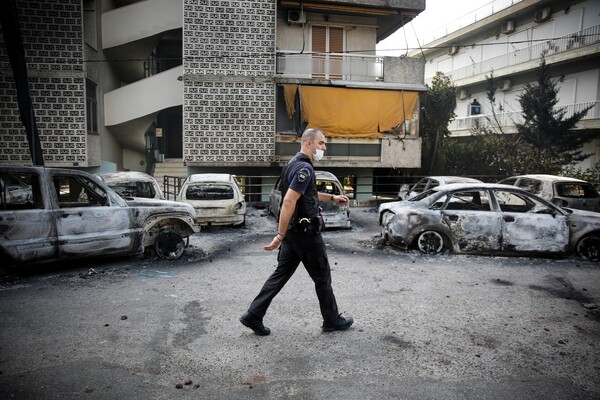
x: 299, y: 235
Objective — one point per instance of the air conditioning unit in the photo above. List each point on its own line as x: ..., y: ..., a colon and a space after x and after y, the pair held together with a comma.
x: 452, y: 50
x: 504, y: 85
x: 462, y: 94
x: 296, y: 17
x: 542, y: 15
x: 508, y: 27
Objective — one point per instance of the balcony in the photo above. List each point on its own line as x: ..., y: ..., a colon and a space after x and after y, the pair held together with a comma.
x: 577, y: 40
x: 507, y: 120
x: 332, y: 66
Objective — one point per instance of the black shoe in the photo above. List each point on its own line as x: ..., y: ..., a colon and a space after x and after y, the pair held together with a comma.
x: 339, y: 324
x: 255, y: 324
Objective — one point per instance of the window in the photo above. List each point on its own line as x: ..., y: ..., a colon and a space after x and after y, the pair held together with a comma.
x: 327, y: 40
x: 78, y: 192
x: 19, y: 192
x: 209, y: 192
x: 512, y: 202
x: 473, y: 201
x: 91, y: 106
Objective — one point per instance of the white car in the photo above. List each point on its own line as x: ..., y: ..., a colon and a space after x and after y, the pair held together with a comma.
x: 560, y: 190
x: 132, y: 184
x: 429, y: 182
x: 216, y: 198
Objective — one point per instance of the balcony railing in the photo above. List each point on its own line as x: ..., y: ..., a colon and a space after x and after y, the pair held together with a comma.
x: 507, y: 120
x: 575, y: 40
x: 335, y: 66
x: 469, y: 18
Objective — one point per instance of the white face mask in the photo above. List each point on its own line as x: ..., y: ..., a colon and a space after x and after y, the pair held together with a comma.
x: 318, y: 155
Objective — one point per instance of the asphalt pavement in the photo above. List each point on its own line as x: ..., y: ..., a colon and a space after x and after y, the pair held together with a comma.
x: 426, y: 327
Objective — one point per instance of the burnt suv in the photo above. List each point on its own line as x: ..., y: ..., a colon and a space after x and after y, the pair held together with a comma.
x: 53, y: 214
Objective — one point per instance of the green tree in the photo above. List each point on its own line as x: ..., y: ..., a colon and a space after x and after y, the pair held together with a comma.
x: 437, y: 110
x: 547, y: 128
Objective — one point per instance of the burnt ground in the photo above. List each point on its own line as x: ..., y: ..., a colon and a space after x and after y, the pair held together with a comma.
x: 446, y: 326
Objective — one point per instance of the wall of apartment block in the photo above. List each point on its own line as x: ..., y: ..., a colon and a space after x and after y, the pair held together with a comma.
x: 229, y: 95
x: 52, y: 38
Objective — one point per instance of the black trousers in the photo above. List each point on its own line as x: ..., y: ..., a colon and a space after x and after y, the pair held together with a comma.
x: 310, y: 250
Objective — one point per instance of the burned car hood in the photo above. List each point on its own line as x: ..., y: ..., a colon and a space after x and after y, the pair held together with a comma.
x: 582, y: 215
x: 394, y: 206
x: 145, y: 202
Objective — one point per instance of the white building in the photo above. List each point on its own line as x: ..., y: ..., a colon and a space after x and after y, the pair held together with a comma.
x: 508, y: 37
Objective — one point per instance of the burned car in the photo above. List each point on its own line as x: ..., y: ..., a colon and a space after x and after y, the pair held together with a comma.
x: 216, y: 199
x: 132, y: 184
x: 560, y: 190
x: 71, y: 214
x: 429, y: 182
x: 334, y: 214
x: 489, y: 219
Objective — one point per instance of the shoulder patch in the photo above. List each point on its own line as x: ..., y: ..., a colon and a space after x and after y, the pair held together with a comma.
x: 303, y: 174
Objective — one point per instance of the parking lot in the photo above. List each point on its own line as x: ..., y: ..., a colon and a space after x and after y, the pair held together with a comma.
x: 426, y: 327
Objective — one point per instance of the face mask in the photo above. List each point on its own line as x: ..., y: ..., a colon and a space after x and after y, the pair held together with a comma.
x: 318, y: 155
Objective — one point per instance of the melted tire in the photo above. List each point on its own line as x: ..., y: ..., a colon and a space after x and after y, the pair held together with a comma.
x: 430, y: 242
x: 588, y: 248
x: 169, y: 245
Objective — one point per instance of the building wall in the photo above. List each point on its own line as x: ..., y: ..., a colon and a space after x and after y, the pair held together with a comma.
x: 229, y: 100
x: 53, y: 40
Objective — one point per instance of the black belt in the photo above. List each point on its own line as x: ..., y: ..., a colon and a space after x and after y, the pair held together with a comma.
x: 308, y: 225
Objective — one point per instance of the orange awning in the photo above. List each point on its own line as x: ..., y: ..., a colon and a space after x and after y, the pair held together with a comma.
x: 357, y: 113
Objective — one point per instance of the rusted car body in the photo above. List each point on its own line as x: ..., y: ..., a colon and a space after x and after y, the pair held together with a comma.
x: 72, y: 214
x: 429, y: 182
x: 334, y: 214
x: 489, y: 219
x: 216, y: 199
x: 132, y: 184
x: 560, y: 190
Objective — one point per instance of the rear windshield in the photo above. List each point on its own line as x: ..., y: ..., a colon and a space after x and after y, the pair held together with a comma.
x: 134, y: 189
x: 209, y: 192
x: 576, y: 190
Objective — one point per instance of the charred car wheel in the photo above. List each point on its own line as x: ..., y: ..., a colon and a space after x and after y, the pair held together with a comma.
x: 589, y: 248
x: 169, y: 245
x: 430, y: 242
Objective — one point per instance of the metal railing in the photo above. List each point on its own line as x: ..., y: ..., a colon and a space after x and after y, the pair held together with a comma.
x: 172, y: 186
x: 340, y: 66
x: 470, y: 18
x: 509, y: 119
x: 374, y: 190
x: 572, y: 41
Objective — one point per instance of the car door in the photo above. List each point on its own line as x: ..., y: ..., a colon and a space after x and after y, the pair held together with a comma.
x: 473, y: 223
x: 27, y: 225
x: 87, y: 223
x: 529, y: 225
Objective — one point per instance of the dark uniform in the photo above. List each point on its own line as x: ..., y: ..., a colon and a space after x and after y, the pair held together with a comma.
x: 302, y: 243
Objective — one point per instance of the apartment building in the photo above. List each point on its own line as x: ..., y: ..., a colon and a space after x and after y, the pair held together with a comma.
x: 508, y: 37
x: 214, y: 85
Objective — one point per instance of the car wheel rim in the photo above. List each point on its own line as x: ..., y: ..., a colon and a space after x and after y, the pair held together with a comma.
x: 589, y: 248
x: 169, y: 245
x: 430, y: 242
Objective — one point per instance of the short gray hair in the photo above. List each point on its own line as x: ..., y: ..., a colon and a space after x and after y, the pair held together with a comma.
x: 310, y: 134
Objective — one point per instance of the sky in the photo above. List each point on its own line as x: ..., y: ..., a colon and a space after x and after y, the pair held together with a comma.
x: 433, y: 21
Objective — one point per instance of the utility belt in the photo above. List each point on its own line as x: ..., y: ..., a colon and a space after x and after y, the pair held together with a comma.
x: 308, y: 225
